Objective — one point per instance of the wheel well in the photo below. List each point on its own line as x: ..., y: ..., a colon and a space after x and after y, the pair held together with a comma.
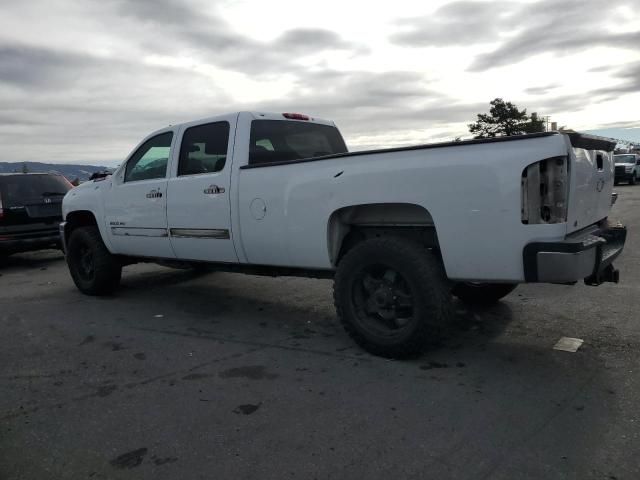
x: 80, y: 218
x: 350, y: 225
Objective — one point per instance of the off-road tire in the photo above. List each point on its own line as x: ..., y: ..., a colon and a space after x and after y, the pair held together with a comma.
x: 482, y: 293
x: 632, y: 180
x: 104, y: 275
x: 423, y: 276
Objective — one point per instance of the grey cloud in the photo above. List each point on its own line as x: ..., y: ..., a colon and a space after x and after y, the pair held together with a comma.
x: 191, y: 28
x: 522, y: 30
x: 602, y: 68
x: 561, y: 28
x: 386, y: 104
x: 163, y: 12
x: 310, y: 38
x: 456, y: 23
x: 85, y: 108
x: 541, y: 90
x: 634, y: 124
x: 24, y: 65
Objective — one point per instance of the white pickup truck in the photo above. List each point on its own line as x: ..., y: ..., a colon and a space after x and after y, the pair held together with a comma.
x: 400, y: 230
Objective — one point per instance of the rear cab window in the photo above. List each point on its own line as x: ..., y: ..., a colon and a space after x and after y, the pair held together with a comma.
x: 284, y: 140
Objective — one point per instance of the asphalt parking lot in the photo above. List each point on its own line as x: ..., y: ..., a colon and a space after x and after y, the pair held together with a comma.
x: 222, y: 376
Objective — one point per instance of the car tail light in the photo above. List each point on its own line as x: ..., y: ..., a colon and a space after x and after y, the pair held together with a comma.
x: 545, y: 191
x: 295, y: 116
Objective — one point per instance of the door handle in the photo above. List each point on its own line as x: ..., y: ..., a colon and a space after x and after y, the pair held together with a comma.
x: 213, y: 190
x: 154, y: 194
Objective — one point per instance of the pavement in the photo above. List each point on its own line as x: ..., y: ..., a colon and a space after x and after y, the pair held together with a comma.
x: 184, y: 375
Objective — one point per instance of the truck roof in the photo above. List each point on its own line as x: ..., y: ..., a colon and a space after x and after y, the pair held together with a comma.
x: 258, y: 115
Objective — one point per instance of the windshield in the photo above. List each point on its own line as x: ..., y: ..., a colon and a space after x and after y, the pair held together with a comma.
x: 19, y: 190
x: 624, y: 158
x: 282, y: 140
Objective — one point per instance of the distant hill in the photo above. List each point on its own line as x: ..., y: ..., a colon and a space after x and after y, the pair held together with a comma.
x: 81, y: 172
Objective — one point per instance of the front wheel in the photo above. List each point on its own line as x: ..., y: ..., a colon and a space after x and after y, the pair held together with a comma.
x: 392, y: 296
x: 482, y: 293
x: 632, y: 180
x: 94, y: 270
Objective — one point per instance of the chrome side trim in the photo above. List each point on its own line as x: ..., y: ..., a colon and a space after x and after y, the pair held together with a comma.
x: 217, y: 233
x: 139, y: 232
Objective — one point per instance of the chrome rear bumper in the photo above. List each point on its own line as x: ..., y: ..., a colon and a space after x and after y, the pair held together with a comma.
x: 588, y: 256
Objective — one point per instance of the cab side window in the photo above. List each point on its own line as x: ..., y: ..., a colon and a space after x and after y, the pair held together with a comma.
x: 150, y: 160
x: 204, y: 149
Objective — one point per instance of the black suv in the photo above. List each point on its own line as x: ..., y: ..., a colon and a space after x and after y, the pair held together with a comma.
x: 30, y: 211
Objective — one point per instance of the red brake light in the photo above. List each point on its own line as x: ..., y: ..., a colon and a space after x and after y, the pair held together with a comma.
x: 295, y: 116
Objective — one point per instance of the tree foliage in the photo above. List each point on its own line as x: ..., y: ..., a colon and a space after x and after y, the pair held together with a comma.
x: 504, y: 118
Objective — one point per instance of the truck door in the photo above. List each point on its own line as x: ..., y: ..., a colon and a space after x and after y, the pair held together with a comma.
x: 135, y: 207
x: 199, y: 208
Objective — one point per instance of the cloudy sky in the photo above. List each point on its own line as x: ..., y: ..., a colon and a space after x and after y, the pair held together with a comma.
x: 82, y: 81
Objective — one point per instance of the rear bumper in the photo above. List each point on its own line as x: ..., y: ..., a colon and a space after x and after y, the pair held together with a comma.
x: 16, y: 244
x: 587, y: 256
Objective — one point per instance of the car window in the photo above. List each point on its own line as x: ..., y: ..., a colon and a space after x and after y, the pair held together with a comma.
x: 624, y: 158
x: 150, y: 160
x: 204, y: 149
x: 17, y: 190
x: 282, y: 140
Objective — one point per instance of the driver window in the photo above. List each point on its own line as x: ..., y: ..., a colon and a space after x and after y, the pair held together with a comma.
x: 150, y: 160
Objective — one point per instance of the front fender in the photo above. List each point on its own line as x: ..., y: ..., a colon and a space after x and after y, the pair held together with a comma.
x: 89, y: 197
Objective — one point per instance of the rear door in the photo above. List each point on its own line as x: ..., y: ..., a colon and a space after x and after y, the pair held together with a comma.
x: 199, y: 207
x: 136, y: 205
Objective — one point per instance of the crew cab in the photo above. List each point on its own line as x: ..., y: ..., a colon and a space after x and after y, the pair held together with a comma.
x: 400, y: 230
x: 30, y: 211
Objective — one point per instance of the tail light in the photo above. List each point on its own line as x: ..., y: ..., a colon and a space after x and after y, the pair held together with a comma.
x: 295, y: 116
x: 545, y: 191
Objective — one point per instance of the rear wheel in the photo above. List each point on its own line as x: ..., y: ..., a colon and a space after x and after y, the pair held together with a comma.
x: 94, y: 270
x: 392, y: 296
x: 482, y: 293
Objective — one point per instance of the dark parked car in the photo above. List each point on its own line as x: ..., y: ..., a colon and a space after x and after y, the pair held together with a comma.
x: 30, y: 211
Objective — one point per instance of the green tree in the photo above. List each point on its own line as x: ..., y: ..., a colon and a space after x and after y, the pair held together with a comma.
x: 504, y: 118
x: 25, y: 169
